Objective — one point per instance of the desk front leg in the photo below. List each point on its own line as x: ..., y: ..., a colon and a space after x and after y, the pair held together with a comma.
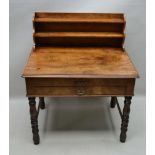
x: 125, y: 118
x: 34, y: 120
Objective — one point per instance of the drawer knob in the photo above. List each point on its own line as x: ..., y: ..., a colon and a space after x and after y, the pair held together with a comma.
x: 80, y: 91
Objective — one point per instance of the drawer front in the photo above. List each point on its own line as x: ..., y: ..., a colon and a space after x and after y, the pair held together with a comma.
x: 79, y: 87
x: 77, y: 81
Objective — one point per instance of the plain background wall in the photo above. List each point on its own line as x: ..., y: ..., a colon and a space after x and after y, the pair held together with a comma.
x: 21, y: 13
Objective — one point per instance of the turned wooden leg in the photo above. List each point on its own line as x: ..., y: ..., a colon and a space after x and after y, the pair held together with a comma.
x: 113, y: 102
x: 125, y: 118
x: 42, y: 102
x: 34, y: 120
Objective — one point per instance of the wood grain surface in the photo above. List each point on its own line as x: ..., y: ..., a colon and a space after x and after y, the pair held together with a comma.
x: 78, y: 39
x: 79, y: 16
x: 93, y: 62
x: 79, y: 87
x: 46, y: 22
x: 79, y: 34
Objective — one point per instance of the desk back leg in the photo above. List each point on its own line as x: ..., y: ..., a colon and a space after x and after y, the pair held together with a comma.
x: 41, y: 102
x: 34, y: 120
x: 125, y: 118
x: 113, y: 101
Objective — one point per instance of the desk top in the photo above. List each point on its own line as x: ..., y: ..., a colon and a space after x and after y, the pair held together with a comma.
x: 79, y: 62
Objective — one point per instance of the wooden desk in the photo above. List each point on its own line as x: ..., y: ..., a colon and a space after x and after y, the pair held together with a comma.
x: 79, y: 54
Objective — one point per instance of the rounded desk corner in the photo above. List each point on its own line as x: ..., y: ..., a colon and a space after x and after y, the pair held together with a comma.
x: 22, y: 76
x: 137, y: 76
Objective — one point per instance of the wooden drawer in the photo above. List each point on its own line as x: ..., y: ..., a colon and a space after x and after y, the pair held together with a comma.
x: 79, y: 87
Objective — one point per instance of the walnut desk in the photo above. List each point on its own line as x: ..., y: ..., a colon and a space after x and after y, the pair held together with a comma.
x: 79, y: 54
